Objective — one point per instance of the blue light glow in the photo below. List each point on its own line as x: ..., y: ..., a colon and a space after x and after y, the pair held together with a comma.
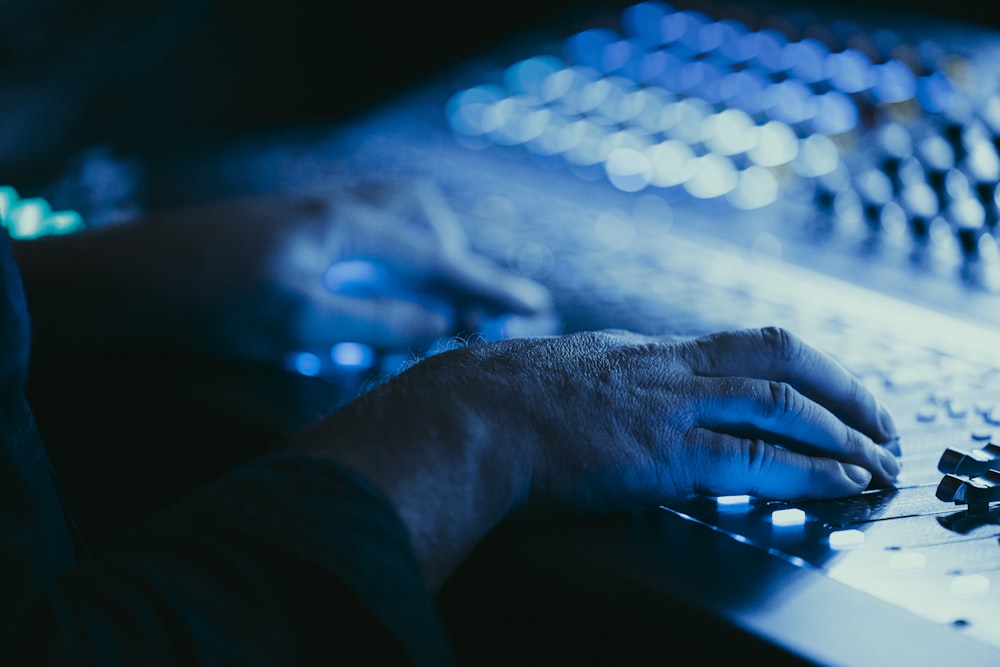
x: 850, y: 71
x: 935, y: 92
x: 465, y: 109
x: 835, y: 113
x: 807, y: 59
x: 642, y: 21
x: 757, y: 187
x: 714, y: 176
x: 894, y: 82
x: 305, y: 363
x: 352, y: 355
x: 528, y: 76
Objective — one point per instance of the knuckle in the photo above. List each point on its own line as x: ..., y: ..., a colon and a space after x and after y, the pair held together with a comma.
x: 783, y: 344
x: 759, y: 458
x: 783, y: 400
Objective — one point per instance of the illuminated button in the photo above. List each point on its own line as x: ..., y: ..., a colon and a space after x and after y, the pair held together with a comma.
x: 642, y: 21
x: 850, y: 71
x: 806, y: 59
x: 757, y: 187
x: 729, y: 132
x: 969, y: 585
x: 835, y: 113
x: 465, y: 109
x: 682, y: 27
x: 8, y: 199
x: 730, y: 501
x: 894, y: 82
x: 713, y: 176
x: 846, y: 539
x: 745, y: 90
x: 305, y: 363
x: 528, y: 76
x: 770, y: 46
x: 671, y: 163
x: 791, y: 102
x: 592, y: 48
x: 743, y: 48
x: 935, y: 92
x: 776, y: 145
x: 816, y: 156
x: 628, y: 169
x: 788, y: 517
x: 352, y: 355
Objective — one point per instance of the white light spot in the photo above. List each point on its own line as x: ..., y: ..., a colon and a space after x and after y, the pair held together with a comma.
x: 352, y: 355
x: 969, y: 585
x: 788, y: 517
x: 757, y: 187
x: 846, y: 539
x: 671, y: 163
x: 628, y: 169
x: 714, y: 176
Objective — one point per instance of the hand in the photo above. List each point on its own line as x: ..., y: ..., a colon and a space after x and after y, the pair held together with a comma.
x: 603, y: 422
x: 258, y: 277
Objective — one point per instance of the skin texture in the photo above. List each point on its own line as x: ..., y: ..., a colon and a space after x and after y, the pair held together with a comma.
x: 601, y: 422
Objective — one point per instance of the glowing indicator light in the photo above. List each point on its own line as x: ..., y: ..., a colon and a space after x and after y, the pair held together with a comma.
x: 776, y: 145
x: 352, y: 355
x: 757, y: 187
x: 969, y: 585
x: 713, y: 176
x: 788, y: 517
x: 305, y: 363
x: 730, y: 501
x: 846, y: 539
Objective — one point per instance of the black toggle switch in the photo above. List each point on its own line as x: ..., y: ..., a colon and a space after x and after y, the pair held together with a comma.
x: 969, y: 464
x: 976, y: 492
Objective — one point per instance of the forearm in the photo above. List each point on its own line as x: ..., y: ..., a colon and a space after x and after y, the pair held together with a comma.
x: 435, y: 456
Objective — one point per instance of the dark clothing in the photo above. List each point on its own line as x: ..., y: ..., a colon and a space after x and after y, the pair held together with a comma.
x: 286, y: 560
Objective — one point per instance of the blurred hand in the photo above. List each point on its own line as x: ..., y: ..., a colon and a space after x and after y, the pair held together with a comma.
x: 609, y: 421
x: 256, y: 277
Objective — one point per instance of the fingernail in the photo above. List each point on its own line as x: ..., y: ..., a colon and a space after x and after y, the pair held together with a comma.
x: 889, y: 462
x: 887, y: 423
x: 857, y: 474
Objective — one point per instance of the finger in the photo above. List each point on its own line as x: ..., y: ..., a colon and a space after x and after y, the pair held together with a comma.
x: 778, y: 413
x: 728, y: 465
x: 477, y: 280
x: 441, y: 217
x: 775, y: 354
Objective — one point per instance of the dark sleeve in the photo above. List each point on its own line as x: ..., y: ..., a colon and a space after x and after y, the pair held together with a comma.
x: 286, y: 561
